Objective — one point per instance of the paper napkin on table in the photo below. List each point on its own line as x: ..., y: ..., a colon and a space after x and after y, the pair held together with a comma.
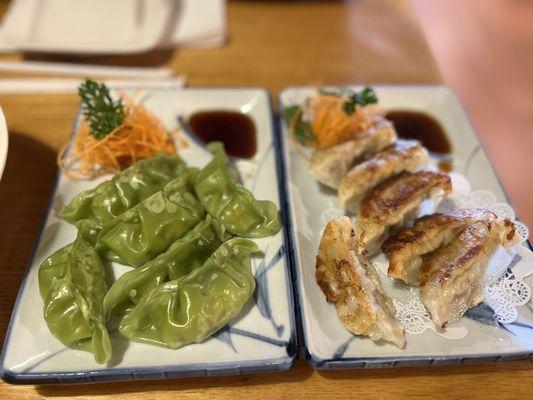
x: 120, y: 26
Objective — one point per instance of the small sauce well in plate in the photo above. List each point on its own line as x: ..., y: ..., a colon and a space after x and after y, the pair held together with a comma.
x: 422, y: 127
x: 235, y: 129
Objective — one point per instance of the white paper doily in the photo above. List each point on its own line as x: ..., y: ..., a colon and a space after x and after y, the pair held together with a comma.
x: 505, y: 286
x: 416, y: 320
x: 511, y: 290
x: 502, y: 297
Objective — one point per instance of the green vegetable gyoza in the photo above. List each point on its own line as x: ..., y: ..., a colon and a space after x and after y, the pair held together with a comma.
x: 191, y: 281
x: 192, y: 308
x: 93, y: 209
x: 182, y: 257
x: 72, y: 285
x: 231, y: 204
x: 147, y: 229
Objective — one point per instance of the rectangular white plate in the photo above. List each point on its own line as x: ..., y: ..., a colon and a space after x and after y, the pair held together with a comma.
x: 327, y: 343
x: 263, y: 338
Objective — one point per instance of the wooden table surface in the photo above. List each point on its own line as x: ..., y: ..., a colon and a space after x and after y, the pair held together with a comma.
x: 273, y: 44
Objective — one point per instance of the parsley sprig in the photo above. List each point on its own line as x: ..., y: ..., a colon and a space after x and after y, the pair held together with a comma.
x: 363, y: 98
x: 102, y: 112
x: 302, y: 130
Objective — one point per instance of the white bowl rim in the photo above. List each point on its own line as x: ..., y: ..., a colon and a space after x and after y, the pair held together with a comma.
x: 4, y: 142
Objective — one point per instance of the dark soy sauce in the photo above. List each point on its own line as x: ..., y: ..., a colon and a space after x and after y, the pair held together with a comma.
x: 235, y: 129
x: 422, y: 127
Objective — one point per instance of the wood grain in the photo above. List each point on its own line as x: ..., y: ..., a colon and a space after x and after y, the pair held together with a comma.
x: 272, y: 44
x: 492, y: 381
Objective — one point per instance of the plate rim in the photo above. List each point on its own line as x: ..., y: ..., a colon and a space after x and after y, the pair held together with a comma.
x: 4, y: 137
x: 172, y: 371
x: 320, y: 363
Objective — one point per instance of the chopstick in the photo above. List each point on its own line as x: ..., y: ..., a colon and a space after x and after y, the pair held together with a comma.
x: 70, y: 85
x: 70, y: 69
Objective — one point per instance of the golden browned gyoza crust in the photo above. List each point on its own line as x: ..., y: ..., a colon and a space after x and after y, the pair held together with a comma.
x: 328, y: 166
x: 394, y: 201
x: 451, y: 279
x: 429, y: 233
x: 403, y: 155
x: 352, y: 284
x: 337, y: 240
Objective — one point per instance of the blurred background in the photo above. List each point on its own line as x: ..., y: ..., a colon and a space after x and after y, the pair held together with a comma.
x: 482, y: 49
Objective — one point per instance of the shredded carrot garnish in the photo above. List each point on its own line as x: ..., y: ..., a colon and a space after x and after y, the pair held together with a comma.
x: 140, y: 135
x: 331, y: 125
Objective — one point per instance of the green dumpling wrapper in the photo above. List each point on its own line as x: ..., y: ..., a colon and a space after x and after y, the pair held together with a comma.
x: 147, y: 229
x: 183, y: 256
x: 234, y: 206
x: 93, y: 209
x: 72, y: 285
x: 194, y: 307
